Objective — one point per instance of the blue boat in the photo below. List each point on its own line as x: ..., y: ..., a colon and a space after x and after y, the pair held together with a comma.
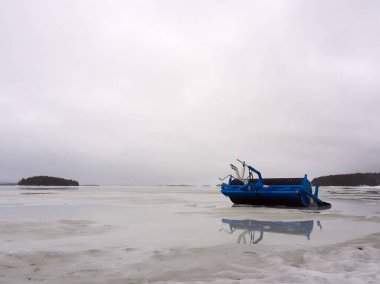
x: 293, y: 192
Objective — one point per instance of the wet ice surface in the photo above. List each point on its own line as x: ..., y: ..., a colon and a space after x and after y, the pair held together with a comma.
x: 184, y: 234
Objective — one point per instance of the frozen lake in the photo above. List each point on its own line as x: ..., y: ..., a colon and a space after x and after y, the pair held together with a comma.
x: 184, y: 234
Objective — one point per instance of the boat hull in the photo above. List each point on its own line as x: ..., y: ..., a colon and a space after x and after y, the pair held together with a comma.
x: 292, y: 197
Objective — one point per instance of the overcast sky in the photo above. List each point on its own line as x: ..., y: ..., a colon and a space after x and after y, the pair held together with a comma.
x: 168, y: 92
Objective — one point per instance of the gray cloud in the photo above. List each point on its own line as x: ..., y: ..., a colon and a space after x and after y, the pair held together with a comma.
x: 156, y: 92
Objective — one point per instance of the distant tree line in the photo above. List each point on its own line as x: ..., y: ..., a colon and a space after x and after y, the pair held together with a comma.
x: 48, y: 181
x: 371, y: 179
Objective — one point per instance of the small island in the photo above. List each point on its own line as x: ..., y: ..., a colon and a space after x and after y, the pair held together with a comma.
x: 47, y: 181
x: 358, y: 179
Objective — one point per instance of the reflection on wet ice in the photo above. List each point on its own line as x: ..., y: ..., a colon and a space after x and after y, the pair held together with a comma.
x: 250, y: 228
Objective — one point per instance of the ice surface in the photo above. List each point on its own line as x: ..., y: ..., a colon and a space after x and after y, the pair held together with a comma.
x: 184, y: 234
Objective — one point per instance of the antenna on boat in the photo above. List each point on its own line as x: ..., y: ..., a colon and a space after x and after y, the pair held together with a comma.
x: 243, y: 171
x: 222, y: 179
x: 243, y: 163
x: 239, y: 177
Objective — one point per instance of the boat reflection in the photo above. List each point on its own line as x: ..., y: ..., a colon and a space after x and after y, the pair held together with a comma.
x: 252, y: 227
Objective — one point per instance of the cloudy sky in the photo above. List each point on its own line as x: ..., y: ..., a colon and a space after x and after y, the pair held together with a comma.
x: 168, y: 92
